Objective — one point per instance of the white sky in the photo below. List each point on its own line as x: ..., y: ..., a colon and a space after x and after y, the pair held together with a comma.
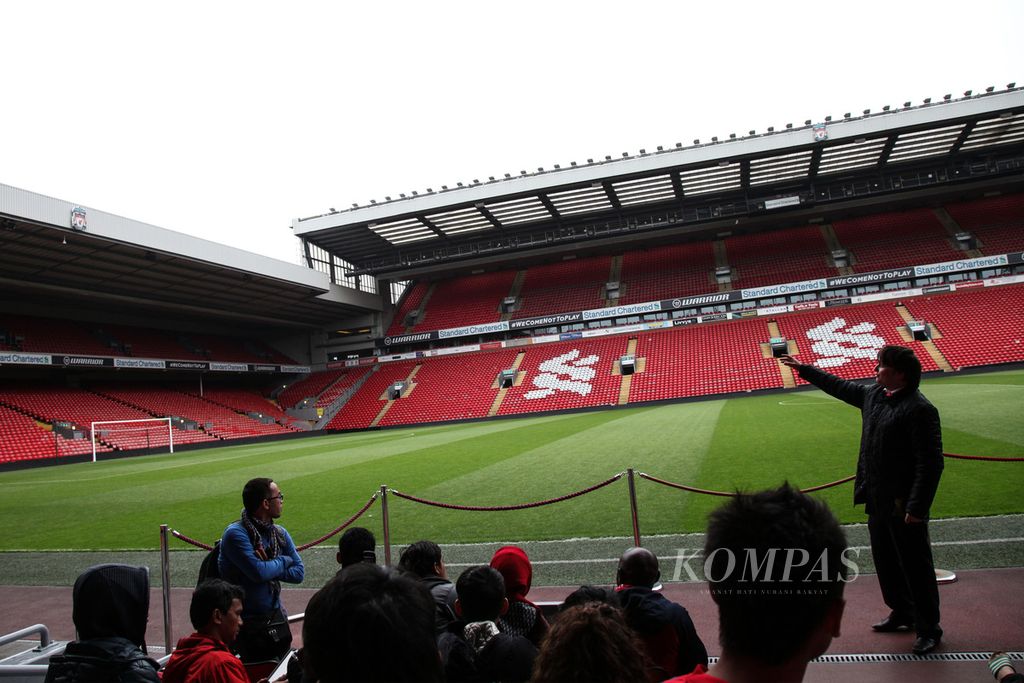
x: 226, y: 120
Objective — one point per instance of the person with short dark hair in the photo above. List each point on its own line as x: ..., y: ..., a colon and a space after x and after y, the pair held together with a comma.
x: 205, y: 656
x: 898, y: 473
x: 356, y: 545
x: 590, y: 643
x: 370, y: 624
x: 664, y: 627
x: 523, y: 617
x: 587, y: 594
x: 473, y: 648
x: 423, y: 559
x: 776, y: 567
x: 257, y: 554
x: 110, y: 608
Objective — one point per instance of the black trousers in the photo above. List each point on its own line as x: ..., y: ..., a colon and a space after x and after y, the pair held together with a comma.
x: 906, y: 574
x: 263, y: 638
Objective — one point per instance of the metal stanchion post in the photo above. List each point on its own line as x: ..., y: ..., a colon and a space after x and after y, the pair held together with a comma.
x: 386, y: 524
x: 633, y: 509
x: 165, y: 580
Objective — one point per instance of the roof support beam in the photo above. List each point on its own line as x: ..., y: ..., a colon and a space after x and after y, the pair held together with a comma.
x: 962, y: 138
x: 890, y: 142
x: 613, y: 199
x: 489, y: 216
x: 677, y: 185
x: 436, y: 230
x: 550, y: 207
x: 812, y: 168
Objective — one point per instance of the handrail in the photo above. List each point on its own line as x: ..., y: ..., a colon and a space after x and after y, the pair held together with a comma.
x: 23, y: 671
x: 44, y: 635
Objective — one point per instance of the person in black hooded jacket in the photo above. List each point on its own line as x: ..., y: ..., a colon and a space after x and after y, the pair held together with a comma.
x: 898, y: 473
x: 110, y: 611
x: 669, y: 637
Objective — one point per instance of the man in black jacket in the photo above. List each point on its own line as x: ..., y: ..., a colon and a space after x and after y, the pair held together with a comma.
x: 665, y: 628
x: 897, y: 475
x: 423, y: 559
x: 472, y: 648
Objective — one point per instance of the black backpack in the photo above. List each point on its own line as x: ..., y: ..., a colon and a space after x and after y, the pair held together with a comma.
x: 209, y: 569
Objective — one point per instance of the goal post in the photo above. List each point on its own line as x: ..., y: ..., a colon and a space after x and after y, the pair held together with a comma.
x: 132, y: 426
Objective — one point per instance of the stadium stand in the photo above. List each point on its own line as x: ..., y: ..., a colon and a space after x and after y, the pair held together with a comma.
x: 845, y: 341
x: 997, y: 222
x: 889, y: 240
x: 234, y: 349
x: 22, y: 438
x: 566, y: 286
x: 702, y: 360
x: 452, y: 388
x: 310, y: 386
x: 217, y: 421
x: 245, y: 401
x: 143, y: 343
x: 411, y: 299
x: 347, y: 380
x: 780, y: 256
x: 78, y: 406
x: 363, y: 408
x: 667, y: 272
x: 771, y: 215
x: 980, y: 326
x: 466, y: 301
x: 33, y: 335
x: 567, y: 375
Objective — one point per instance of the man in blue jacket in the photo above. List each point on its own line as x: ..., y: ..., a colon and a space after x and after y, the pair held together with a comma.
x: 258, y: 555
x: 897, y: 476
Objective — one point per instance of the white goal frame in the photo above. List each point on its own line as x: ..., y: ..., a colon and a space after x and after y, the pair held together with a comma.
x: 92, y: 430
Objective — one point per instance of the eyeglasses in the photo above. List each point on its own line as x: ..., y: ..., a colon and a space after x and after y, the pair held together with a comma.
x: 279, y: 497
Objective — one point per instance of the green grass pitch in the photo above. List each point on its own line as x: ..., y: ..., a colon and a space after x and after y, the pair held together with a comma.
x: 725, y: 444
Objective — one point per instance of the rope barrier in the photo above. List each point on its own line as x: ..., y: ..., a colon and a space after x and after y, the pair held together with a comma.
x: 550, y: 501
x: 989, y: 458
x: 199, y: 544
x: 362, y: 511
x: 505, y: 508
x: 727, y: 494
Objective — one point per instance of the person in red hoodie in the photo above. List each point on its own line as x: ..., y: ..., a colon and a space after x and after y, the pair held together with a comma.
x: 523, y: 618
x: 205, y: 656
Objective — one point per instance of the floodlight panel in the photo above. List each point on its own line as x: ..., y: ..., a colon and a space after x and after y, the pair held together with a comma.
x: 850, y: 156
x: 711, y: 179
x: 925, y: 143
x: 401, y: 232
x: 645, y: 190
x: 460, y: 221
x: 998, y: 131
x: 779, y: 168
x: 516, y: 211
x: 580, y: 200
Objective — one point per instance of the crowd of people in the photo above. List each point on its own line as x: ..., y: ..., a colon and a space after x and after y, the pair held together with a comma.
x: 413, y: 623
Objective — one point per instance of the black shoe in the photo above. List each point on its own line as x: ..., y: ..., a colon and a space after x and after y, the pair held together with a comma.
x: 924, y: 644
x: 893, y: 623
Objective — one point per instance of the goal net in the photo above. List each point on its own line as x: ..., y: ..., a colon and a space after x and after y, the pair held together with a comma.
x: 154, y: 432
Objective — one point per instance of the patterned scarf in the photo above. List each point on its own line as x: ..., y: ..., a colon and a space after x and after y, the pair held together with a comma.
x: 257, y: 529
x: 479, y: 633
x: 519, y: 620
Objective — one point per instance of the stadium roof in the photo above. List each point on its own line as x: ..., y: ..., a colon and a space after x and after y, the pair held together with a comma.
x: 107, y: 260
x: 496, y: 215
